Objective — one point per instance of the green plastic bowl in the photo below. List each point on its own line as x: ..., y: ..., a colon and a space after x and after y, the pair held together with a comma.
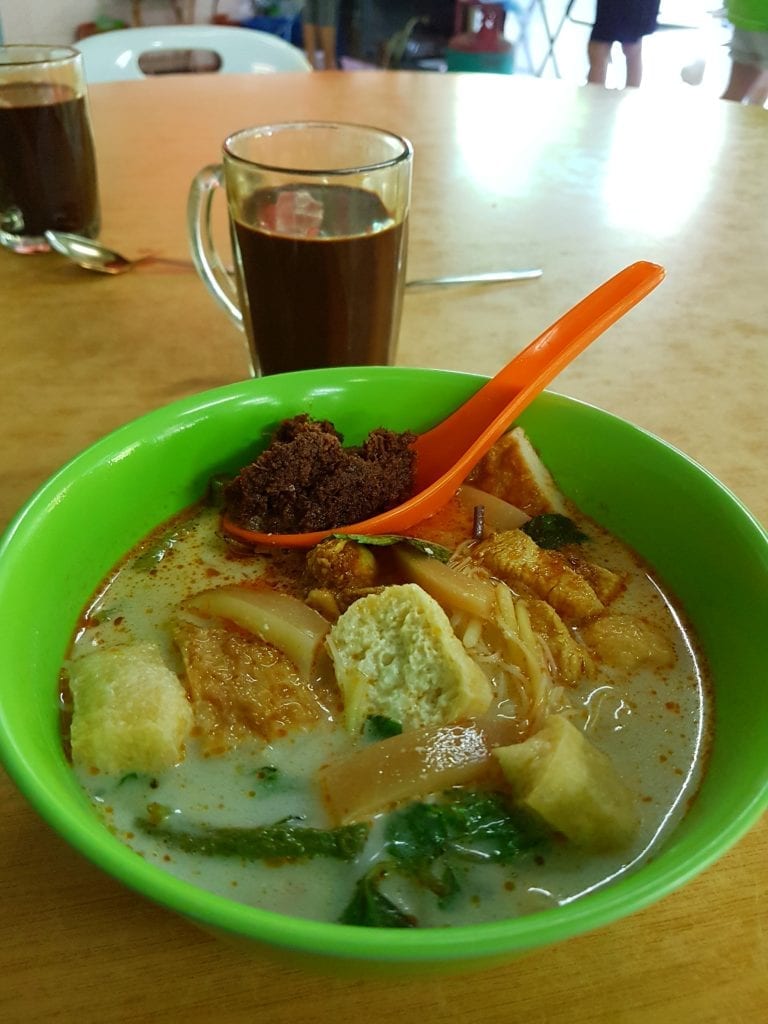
x: 703, y: 543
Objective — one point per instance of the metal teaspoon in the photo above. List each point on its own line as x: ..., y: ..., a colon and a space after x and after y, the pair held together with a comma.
x: 92, y: 255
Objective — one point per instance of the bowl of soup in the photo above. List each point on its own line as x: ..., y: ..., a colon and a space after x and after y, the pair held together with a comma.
x: 514, y: 725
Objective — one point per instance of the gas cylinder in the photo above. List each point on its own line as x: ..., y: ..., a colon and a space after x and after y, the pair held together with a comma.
x: 485, y: 48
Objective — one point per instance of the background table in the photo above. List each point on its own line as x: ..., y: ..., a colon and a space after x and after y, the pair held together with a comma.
x: 508, y: 172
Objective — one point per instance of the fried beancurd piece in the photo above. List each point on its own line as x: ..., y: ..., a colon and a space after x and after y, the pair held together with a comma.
x: 560, y: 776
x: 241, y: 687
x: 395, y: 654
x: 131, y: 713
x: 512, y: 470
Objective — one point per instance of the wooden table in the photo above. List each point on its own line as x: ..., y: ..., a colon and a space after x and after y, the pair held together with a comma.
x: 509, y: 172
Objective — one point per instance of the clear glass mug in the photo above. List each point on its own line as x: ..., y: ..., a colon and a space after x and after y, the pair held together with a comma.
x: 318, y: 213
x: 47, y: 161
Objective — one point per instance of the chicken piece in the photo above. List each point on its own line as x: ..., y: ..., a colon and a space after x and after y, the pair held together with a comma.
x: 606, y: 583
x: 571, y: 659
x: 560, y: 776
x: 241, y: 687
x: 516, y: 559
x: 341, y: 565
x: 512, y: 470
x: 628, y: 643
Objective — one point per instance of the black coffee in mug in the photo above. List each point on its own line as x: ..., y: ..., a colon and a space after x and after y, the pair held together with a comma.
x: 47, y: 160
x: 318, y: 212
x: 47, y: 163
x: 329, y: 296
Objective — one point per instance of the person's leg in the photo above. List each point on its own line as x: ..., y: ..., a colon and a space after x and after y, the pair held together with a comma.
x: 309, y: 38
x: 599, y: 54
x: 327, y: 35
x: 758, y: 94
x: 743, y: 78
x: 633, y: 52
x: 749, y: 53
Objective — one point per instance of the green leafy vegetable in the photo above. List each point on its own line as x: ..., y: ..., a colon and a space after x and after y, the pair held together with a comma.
x: 431, y: 844
x: 268, y: 774
x: 553, y: 530
x: 157, y: 813
x: 477, y: 825
x: 417, y: 835
x: 382, y: 540
x: 371, y: 908
x: 379, y: 727
x: 417, y: 838
x: 281, y: 841
x: 216, y: 487
x: 164, y: 544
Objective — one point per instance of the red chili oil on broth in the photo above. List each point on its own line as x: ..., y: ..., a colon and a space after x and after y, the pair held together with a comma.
x: 652, y: 722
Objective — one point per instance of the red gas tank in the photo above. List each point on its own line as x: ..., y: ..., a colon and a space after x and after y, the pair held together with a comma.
x: 484, y: 48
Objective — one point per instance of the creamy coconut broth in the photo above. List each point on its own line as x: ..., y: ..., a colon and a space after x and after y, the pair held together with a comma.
x: 651, y: 719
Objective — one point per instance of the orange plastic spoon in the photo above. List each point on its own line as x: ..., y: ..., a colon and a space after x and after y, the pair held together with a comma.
x: 447, y: 453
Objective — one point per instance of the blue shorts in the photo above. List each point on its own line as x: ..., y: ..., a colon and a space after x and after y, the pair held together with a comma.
x: 624, y: 21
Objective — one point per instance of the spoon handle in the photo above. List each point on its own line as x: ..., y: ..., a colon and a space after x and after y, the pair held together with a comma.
x: 447, y: 453
x: 168, y: 261
x: 489, y: 278
x: 483, y: 419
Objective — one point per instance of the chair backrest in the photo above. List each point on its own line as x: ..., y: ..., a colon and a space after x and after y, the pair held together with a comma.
x: 114, y: 56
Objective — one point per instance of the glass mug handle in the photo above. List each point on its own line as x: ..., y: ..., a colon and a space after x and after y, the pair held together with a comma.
x: 220, y: 281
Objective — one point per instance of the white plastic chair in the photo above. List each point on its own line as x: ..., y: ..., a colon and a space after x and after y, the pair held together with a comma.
x: 114, y: 56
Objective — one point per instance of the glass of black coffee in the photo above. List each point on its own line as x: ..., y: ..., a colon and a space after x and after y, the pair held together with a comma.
x: 47, y: 162
x: 318, y: 213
